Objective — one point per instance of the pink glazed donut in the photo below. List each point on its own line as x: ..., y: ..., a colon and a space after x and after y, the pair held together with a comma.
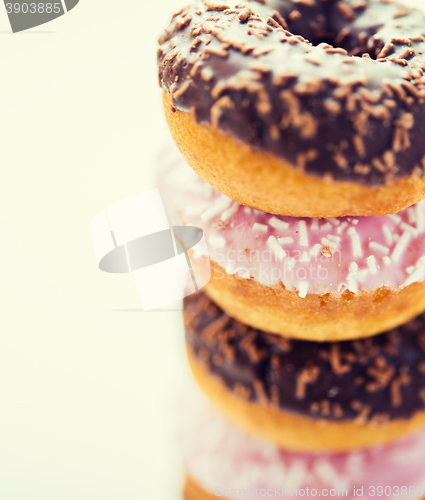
x: 313, y: 279
x: 221, y: 460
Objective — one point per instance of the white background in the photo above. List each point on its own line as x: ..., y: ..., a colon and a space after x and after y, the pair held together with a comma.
x: 85, y: 390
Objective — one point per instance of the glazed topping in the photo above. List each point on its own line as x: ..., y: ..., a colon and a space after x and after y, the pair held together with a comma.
x: 374, y: 380
x: 305, y: 255
x: 348, y: 104
x: 215, y: 452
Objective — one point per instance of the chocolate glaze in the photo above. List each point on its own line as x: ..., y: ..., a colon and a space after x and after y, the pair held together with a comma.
x: 246, y: 68
x: 374, y: 380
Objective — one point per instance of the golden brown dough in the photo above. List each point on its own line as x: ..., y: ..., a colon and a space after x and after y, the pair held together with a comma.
x: 262, y: 181
x: 296, y: 432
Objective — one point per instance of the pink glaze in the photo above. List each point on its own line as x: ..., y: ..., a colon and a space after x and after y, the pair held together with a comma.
x: 217, y: 454
x: 306, y: 255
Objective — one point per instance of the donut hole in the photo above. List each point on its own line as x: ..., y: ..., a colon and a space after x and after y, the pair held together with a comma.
x: 363, y: 44
x: 325, y: 24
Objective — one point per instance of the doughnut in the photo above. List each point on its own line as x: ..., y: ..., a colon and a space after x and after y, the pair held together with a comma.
x: 306, y: 108
x: 219, y: 457
x: 309, y: 396
x: 320, y: 280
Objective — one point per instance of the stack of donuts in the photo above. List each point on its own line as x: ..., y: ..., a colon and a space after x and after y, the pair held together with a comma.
x: 304, y: 124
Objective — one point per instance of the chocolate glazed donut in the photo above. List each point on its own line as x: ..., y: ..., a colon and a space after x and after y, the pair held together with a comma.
x: 311, y: 108
x: 309, y: 396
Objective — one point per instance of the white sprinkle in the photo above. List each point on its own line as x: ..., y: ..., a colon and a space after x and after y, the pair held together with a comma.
x: 315, y: 251
x: 314, y: 225
x: 396, y: 237
x: 353, y: 286
x: 355, y: 241
x: 259, y: 227
x: 247, y: 210
x: 411, y: 215
x: 355, y: 464
x: 420, y: 217
x: 276, y: 248
x: 221, y: 205
x: 361, y: 275
x: 421, y: 261
x: 335, y: 222
x: 355, y: 275
x: 327, y: 243
x: 353, y: 267
x: 371, y: 262
x: 229, y: 212
x: 305, y: 257
x: 297, y: 474
x: 396, y: 218
x: 418, y: 275
x: 355, y: 221
x: 326, y: 227
x: 410, y: 269
x: 290, y: 263
x: 328, y: 474
x: 302, y: 227
x: 408, y: 227
x: 377, y: 246
x: 334, y: 238
x: 216, y: 241
x: 401, y: 246
x: 242, y: 273
x: 278, y: 224
x: 386, y: 260
x: 341, y: 227
x: 230, y: 268
x: 388, y: 234
x: 285, y: 240
x: 303, y: 289
x: 257, y: 212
